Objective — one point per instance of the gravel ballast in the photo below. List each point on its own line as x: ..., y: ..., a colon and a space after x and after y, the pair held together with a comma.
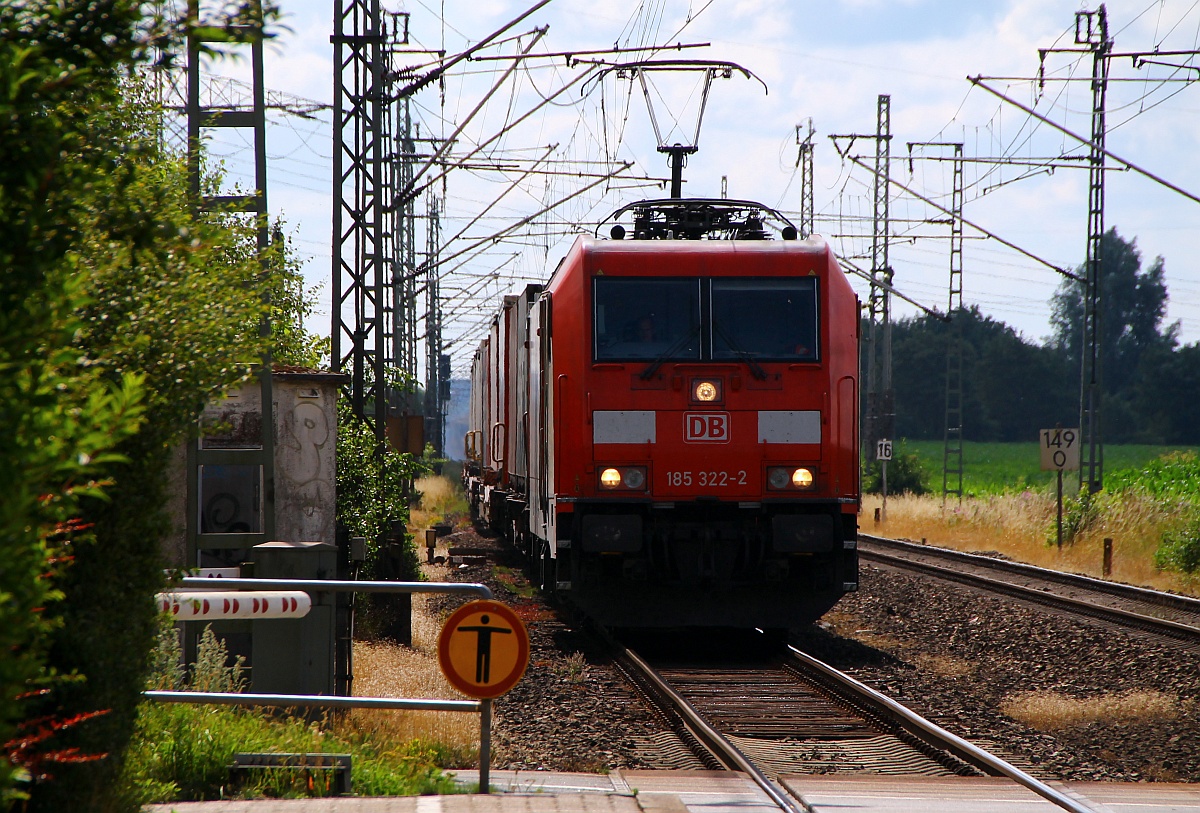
x: 951, y: 654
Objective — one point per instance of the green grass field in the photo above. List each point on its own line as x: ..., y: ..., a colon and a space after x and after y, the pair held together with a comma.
x: 993, y: 468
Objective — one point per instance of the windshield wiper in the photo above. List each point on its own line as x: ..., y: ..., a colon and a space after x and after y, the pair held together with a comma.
x: 665, y: 355
x: 755, y: 367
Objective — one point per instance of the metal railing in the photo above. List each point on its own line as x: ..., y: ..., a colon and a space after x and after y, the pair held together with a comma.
x: 482, y: 707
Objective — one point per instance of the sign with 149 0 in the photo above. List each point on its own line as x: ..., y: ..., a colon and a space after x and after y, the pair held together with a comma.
x: 1060, y: 449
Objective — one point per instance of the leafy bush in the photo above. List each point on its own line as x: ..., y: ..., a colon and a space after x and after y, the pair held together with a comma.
x: 905, y: 473
x: 62, y: 415
x: 110, y: 279
x: 1173, y: 477
x: 1180, y: 546
x: 373, y: 486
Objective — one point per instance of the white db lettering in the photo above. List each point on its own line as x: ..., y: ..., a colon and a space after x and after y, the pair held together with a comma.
x: 708, y: 427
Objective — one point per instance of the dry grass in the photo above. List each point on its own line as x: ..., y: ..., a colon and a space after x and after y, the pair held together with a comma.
x: 426, y: 622
x: 1050, y: 711
x: 390, y: 670
x: 1021, y: 526
x: 442, y: 500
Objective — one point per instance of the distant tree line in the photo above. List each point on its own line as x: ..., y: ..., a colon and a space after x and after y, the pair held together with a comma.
x: 1012, y: 386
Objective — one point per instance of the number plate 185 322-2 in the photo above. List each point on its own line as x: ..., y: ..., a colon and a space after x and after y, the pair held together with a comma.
x: 706, y: 479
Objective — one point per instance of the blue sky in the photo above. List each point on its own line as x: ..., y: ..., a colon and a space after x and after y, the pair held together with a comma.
x: 824, y: 60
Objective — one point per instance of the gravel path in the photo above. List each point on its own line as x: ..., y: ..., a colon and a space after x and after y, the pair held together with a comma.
x: 953, y: 655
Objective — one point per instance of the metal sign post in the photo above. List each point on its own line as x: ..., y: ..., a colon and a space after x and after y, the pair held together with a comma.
x: 483, y: 650
x: 1059, y: 452
x: 883, y: 453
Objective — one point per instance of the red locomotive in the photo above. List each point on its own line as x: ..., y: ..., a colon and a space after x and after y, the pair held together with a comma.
x: 669, y: 428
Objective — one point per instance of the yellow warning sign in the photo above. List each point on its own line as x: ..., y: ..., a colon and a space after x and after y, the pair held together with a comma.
x: 483, y: 649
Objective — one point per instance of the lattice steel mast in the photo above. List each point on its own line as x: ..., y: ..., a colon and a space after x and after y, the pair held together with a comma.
x: 952, y: 438
x: 952, y: 443
x: 437, y: 378
x: 881, y: 412
x: 359, y: 308
x: 401, y: 249
x: 1091, y: 29
x: 805, y: 161
x: 261, y: 457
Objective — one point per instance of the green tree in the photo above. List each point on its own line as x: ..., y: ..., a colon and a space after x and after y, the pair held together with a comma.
x: 110, y: 281
x: 1165, y: 393
x: 1011, y: 387
x: 1133, y: 305
x: 61, y: 416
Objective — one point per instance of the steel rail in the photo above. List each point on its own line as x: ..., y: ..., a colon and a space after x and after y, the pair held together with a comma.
x: 1174, y: 601
x: 918, y: 725
x: 725, y: 751
x: 1114, y: 615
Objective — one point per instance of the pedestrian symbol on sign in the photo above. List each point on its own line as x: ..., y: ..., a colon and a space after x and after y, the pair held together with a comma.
x: 483, y: 649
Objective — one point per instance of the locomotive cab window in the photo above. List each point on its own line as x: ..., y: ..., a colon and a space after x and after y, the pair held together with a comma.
x: 765, y: 318
x: 637, y: 318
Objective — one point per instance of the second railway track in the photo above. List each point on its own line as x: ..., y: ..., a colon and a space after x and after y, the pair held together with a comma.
x: 1149, y: 611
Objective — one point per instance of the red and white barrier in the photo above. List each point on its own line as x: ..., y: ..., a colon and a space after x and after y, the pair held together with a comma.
x: 214, y: 604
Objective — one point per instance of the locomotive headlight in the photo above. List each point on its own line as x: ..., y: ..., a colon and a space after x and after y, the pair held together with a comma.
x: 625, y: 478
x: 635, y: 478
x: 706, y: 391
x: 791, y: 478
x: 610, y: 478
x: 802, y: 478
x: 777, y: 478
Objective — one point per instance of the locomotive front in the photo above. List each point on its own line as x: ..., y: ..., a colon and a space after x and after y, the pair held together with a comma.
x: 703, y: 462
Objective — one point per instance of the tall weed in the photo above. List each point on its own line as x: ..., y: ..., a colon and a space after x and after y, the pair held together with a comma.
x: 1080, y: 513
x: 183, y: 752
x: 166, y: 672
x: 212, y: 671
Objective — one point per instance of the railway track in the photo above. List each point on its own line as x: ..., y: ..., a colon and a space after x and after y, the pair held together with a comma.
x: 1164, y: 614
x: 796, y: 715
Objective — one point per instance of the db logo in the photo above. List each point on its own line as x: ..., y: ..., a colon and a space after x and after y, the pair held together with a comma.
x: 706, y: 427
